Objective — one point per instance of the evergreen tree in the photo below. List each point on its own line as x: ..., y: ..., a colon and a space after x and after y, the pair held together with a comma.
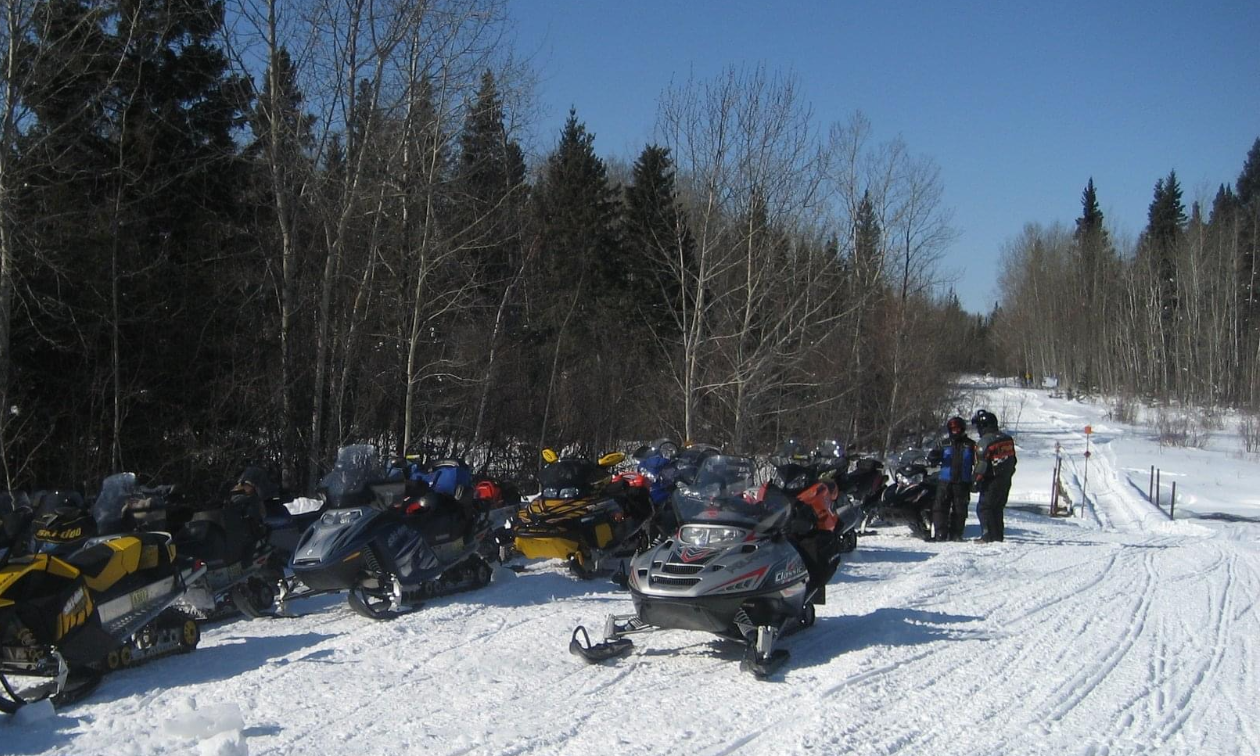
x: 868, y: 255
x: 581, y: 290
x: 1166, y: 220
x: 659, y: 245
x: 491, y: 185
x: 578, y: 217
x: 1247, y: 206
x: 141, y: 176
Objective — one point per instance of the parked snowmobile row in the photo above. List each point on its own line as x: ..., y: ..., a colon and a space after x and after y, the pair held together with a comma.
x: 702, y: 541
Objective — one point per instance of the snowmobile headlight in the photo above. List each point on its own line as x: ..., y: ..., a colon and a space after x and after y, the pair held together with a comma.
x: 910, y: 480
x: 343, y: 517
x: 568, y: 493
x: 709, y: 535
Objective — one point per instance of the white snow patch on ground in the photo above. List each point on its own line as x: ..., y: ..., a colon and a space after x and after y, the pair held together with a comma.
x: 1114, y: 632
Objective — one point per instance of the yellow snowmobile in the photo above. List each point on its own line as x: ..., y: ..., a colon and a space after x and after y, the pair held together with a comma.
x: 582, y: 516
x: 70, y: 618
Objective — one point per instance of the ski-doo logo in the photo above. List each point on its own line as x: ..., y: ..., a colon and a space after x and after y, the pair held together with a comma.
x: 74, y: 613
x: 694, y: 553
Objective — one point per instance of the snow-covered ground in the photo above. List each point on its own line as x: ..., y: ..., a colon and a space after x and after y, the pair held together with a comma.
x: 1115, y: 632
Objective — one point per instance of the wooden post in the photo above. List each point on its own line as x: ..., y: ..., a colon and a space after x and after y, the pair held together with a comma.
x: 1172, y: 503
x: 1054, y: 483
x: 1054, y: 490
x: 1150, y: 487
x: 1157, y: 473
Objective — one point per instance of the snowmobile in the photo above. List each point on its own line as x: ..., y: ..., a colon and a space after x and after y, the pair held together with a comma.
x: 733, y: 569
x: 68, y: 619
x: 582, y: 516
x: 230, y: 536
x: 391, y: 542
x: 818, y: 479
x: 660, y: 468
x: 908, y: 501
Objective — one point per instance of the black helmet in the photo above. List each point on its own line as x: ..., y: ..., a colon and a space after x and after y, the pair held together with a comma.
x: 984, y: 419
x: 956, y: 426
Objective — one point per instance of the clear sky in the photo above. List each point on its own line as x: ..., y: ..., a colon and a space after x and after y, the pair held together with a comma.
x: 1020, y: 103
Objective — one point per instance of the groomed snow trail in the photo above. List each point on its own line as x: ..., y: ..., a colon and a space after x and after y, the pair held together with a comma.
x: 1116, y: 632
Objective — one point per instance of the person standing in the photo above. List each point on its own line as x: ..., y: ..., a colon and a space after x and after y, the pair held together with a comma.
x: 994, y: 470
x: 956, y: 455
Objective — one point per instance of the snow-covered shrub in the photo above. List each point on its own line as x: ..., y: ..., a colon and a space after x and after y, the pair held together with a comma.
x: 1124, y: 409
x: 1249, y: 429
x: 1180, y: 430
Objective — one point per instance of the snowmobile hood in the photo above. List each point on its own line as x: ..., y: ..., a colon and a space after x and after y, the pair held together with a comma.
x: 724, y: 562
x: 330, y: 538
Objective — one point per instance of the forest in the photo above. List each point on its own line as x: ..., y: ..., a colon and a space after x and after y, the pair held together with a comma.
x: 1170, y: 319
x: 249, y: 231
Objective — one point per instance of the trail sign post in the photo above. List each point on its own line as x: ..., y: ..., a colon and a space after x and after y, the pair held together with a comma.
x: 1089, y: 432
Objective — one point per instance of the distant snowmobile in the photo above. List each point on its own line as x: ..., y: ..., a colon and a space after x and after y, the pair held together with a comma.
x: 908, y: 501
x: 732, y: 569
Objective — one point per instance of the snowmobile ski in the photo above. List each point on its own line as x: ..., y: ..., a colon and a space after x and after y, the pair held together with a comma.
x: 596, y: 653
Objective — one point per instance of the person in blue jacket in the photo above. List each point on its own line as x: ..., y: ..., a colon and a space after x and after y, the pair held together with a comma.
x: 956, y: 455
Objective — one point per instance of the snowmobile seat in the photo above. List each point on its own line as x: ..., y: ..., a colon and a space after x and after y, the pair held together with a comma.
x: 105, y: 564
x: 449, y: 477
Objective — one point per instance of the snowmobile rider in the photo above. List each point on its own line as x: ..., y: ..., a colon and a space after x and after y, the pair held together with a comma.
x: 956, y: 454
x: 994, y: 470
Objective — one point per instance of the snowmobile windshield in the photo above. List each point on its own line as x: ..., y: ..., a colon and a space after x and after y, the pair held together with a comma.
x: 790, y: 450
x: 355, y: 467
x: 912, y: 458
x: 569, y: 478
x: 116, y: 491
x: 687, y: 463
x: 829, y: 450
x: 727, y: 490
x: 661, y: 447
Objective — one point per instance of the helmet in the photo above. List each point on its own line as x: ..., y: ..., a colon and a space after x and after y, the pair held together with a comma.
x: 984, y: 419
x: 956, y: 426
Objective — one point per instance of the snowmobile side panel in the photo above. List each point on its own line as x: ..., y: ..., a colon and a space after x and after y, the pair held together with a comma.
x: 547, y: 548
x: 603, y: 534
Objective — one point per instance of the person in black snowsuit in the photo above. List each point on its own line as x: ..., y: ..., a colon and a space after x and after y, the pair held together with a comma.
x: 956, y: 455
x: 994, y: 470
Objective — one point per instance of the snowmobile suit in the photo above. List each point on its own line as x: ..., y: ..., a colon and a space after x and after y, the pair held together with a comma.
x: 993, y: 478
x: 953, y: 493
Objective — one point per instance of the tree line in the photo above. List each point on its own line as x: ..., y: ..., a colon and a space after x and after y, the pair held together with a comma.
x: 1173, y: 316
x: 252, y: 232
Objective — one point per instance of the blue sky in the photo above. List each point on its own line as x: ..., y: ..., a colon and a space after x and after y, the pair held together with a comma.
x: 1020, y: 103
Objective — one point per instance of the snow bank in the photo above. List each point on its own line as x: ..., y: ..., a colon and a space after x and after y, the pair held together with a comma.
x: 217, y: 729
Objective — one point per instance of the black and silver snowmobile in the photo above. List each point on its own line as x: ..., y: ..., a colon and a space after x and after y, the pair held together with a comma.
x: 732, y: 569
x: 227, y: 534
x: 908, y: 500
x: 109, y: 603
x: 390, y: 542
